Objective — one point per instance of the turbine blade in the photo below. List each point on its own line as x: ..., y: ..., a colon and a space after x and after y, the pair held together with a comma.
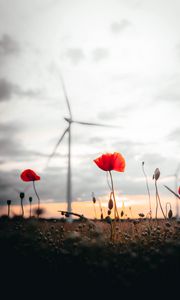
x: 172, y: 191
x: 66, y: 96
x: 56, y: 146
x: 95, y: 124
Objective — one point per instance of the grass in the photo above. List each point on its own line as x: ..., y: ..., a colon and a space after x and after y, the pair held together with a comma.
x: 144, y: 255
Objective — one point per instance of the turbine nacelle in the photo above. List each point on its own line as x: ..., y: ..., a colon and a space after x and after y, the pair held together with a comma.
x: 69, y: 120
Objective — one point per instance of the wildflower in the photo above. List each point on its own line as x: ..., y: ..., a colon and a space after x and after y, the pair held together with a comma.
x: 109, y: 162
x: 30, y: 175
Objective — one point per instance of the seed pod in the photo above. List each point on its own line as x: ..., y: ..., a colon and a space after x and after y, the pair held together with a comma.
x: 109, y: 212
x: 21, y: 195
x: 122, y: 213
x: 170, y: 214
x: 30, y: 199
x: 101, y: 216
x: 141, y: 215
x: 94, y: 200
x: 8, y: 202
x: 108, y: 220
x: 110, y: 204
x: 156, y: 174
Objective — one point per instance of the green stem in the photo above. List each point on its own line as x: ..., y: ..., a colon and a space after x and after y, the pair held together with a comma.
x: 30, y: 210
x: 22, y: 208
x: 36, y: 196
x: 149, y: 196
x: 8, y: 210
x: 112, y: 188
x: 95, y: 211
x: 158, y: 197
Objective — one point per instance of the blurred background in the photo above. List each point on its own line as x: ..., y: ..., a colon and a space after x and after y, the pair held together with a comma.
x: 120, y: 62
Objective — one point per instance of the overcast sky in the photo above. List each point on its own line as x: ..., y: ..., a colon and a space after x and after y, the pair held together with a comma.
x: 120, y: 61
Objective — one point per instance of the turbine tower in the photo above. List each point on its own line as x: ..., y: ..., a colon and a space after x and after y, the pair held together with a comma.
x: 70, y: 121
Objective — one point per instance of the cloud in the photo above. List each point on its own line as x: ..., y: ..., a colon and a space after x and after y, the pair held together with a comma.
x: 8, y: 90
x: 11, y: 147
x: 76, y: 55
x: 118, y: 27
x: 177, y: 48
x: 169, y: 96
x: 8, y: 180
x: 100, y: 54
x: 112, y: 115
x: 171, y: 90
x: 154, y: 159
x: 8, y: 46
x: 174, y: 135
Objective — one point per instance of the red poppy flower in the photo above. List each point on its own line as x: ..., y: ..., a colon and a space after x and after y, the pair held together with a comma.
x: 29, y: 175
x: 179, y: 190
x: 111, y: 161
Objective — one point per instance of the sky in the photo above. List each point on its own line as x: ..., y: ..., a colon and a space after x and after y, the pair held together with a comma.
x: 120, y: 62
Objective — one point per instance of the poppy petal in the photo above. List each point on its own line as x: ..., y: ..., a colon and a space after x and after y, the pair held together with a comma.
x: 29, y: 175
x: 109, y: 162
x: 118, y: 162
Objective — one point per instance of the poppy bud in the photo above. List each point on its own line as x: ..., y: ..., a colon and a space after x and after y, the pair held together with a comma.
x: 30, y: 199
x: 156, y: 174
x: 109, y: 212
x: 94, y: 200
x: 170, y: 214
x: 142, y: 163
x: 8, y: 202
x: 141, y: 215
x: 21, y: 195
x: 108, y: 220
x: 122, y: 213
x: 101, y: 216
x: 110, y: 204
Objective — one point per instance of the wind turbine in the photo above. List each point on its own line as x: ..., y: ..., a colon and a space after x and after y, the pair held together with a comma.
x: 71, y: 121
x: 176, y: 177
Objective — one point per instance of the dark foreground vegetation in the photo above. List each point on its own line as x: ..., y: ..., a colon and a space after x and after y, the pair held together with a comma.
x: 79, y: 258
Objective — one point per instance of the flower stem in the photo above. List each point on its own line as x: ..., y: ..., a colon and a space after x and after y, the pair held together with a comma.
x: 147, y: 186
x: 116, y: 215
x: 8, y: 210
x: 37, y: 197
x: 158, y: 198
x: 30, y: 210
x: 156, y: 205
x: 22, y: 208
x: 95, y: 211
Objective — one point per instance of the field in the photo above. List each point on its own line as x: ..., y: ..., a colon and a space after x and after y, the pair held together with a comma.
x: 144, y: 255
